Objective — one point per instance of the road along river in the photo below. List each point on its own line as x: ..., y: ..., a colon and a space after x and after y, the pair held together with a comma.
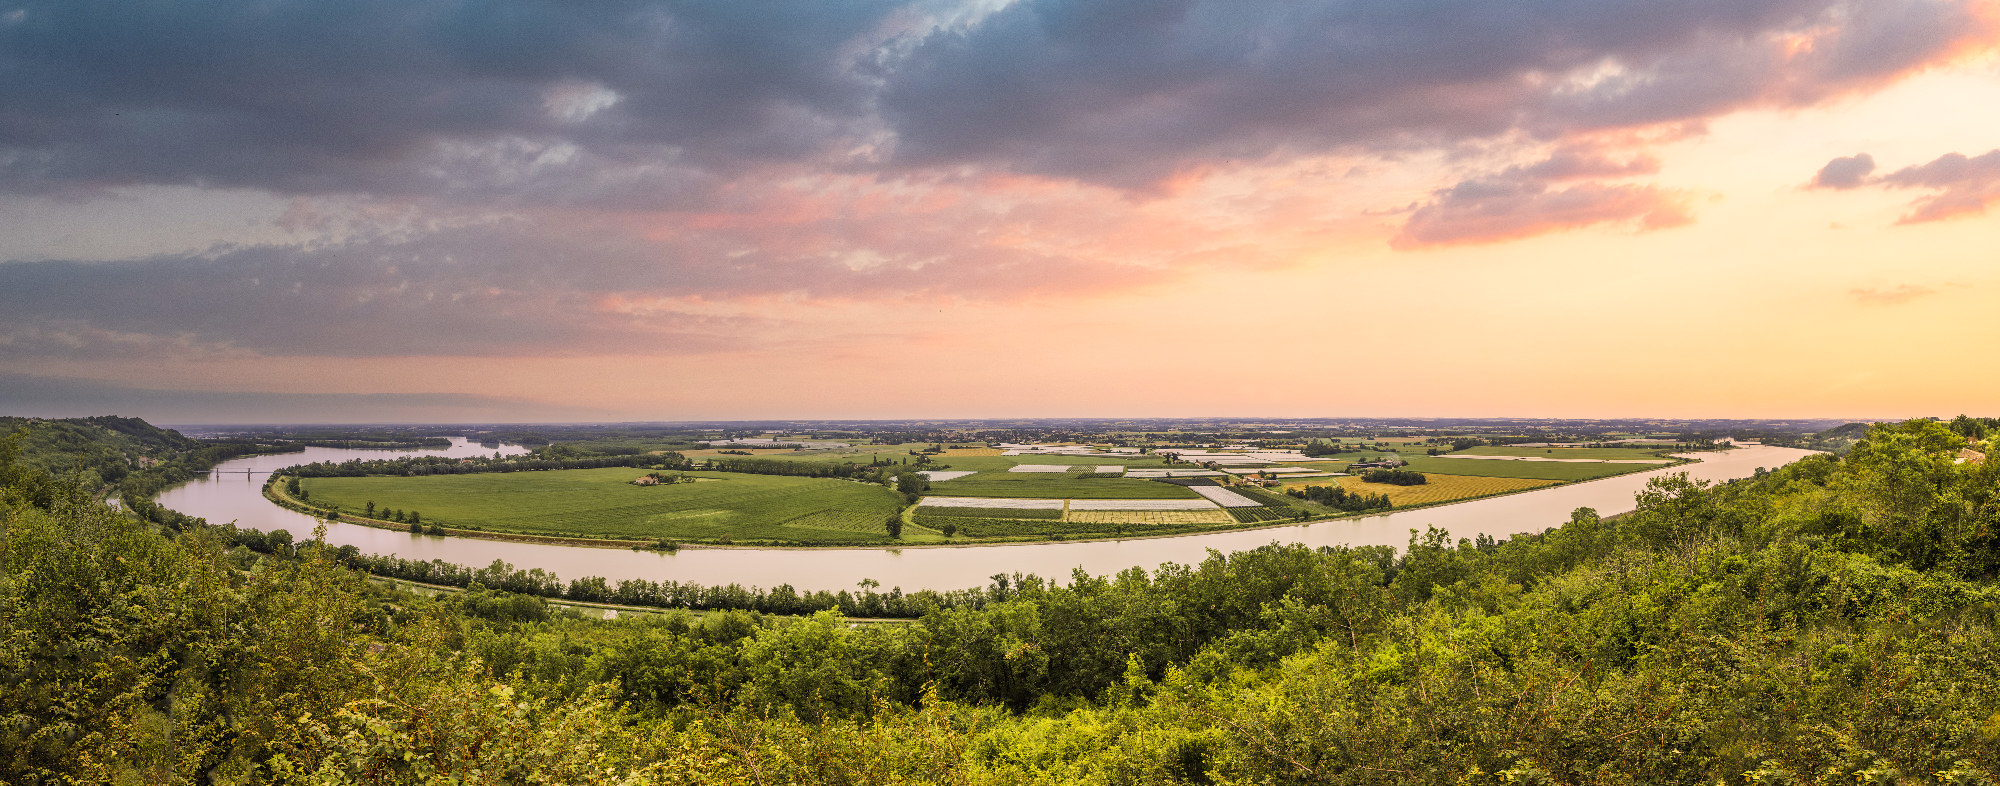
x: 224, y: 497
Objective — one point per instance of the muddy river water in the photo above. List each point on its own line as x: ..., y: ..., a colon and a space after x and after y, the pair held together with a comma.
x: 234, y: 493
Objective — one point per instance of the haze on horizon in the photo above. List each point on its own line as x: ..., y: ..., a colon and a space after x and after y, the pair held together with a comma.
x: 364, y: 210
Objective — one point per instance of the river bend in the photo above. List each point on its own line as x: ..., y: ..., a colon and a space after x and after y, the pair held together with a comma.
x: 224, y: 497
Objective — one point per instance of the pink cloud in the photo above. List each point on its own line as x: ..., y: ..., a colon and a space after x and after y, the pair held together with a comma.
x: 1960, y: 185
x: 1544, y: 197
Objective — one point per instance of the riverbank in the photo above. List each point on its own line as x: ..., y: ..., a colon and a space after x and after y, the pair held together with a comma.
x: 274, y: 491
x: 228, y: 497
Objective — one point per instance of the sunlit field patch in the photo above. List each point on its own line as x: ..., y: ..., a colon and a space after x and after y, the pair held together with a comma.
x: 1439, y: 488
x: 1057, y: 486
x: 602, y: 503
x: 1537, y: 470
x: 1150, y: 517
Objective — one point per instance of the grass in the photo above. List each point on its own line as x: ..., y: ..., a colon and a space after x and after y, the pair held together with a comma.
x: 1537, y: 470
x: 601, y: 503
x: 1568, y: 453
x: 1440, y: 488
x: 1046, y: 485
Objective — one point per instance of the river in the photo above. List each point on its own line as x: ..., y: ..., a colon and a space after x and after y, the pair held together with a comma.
x: 225, y: 497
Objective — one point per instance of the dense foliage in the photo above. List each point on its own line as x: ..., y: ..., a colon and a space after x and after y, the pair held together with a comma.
x: 124, y: 456
x: 1394, y: 477
x: 1833, y: 621
x: 1338, y: 498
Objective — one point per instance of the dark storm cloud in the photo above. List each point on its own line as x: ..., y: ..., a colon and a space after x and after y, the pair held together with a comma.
x: 1080, y: 88
x: 644, y: 103
x: 420, y: 96
x: 1961, y: 185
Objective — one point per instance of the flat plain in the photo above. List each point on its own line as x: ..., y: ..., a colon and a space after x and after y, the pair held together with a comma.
x: 602, y: 503
x: 1565, y: 453
x: 1440, y: 488
x: 1053, y: 486
x: 1539, y: 470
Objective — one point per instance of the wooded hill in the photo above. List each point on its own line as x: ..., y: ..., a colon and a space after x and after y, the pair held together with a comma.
x: 1832, y: 621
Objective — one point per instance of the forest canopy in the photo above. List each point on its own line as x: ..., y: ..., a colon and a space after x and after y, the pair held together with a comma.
x: 1831, y: 621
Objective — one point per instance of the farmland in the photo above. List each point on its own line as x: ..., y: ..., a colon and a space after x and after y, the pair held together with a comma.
x: 1438, y: 488
x: 1608, y: 454
x: 1151, y: 517
x: 1010, y: 489
x: 1040, y: 485
x: 602, y: 503
x: 1537, y: 470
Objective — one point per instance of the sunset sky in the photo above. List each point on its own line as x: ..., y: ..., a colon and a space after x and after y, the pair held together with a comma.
x: 418, y: 210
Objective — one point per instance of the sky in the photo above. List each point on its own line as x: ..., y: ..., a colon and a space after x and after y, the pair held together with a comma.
x: 481, y: 211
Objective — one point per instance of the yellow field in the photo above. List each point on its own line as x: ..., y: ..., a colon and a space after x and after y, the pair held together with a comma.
x: 1441, y: 488
x: 1150, y: 517
x: 973, y: 452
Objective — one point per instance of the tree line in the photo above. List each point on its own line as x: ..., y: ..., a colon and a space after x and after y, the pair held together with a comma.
x: 411, y: 466
x: 1395, y: 477
x: 1338, y: 498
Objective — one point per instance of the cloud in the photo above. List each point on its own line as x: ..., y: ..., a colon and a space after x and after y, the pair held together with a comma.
x: 655, y: 103
x: 60, y: 397
x: 611, y: 101
x: 1901, y: 293
x: 1080, y: 89
x: 1524, y: 201
x: 485, y: 290
x: 567, y: 284
x: 1963, y: 186
x: 551, y: 177
x: 1842, y: 173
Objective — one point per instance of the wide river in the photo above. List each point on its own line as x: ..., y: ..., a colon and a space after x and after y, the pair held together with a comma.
x: 224, y: 497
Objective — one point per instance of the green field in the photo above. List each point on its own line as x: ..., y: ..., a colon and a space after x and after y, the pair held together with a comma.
x: 601, y: 503
x: 1053, y: 485
x: 1567, y: 453
x: 1540, y: 470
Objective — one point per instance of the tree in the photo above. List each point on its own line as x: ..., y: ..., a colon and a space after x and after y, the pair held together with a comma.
x: 895, y: 526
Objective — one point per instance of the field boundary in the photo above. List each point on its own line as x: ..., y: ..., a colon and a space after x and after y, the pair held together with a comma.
x: 272, y: 491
